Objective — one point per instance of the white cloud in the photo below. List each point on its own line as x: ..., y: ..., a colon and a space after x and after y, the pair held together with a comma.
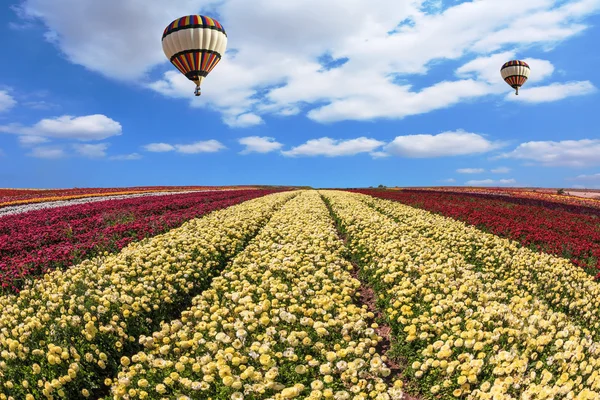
x: 47, y: 152
x: 334, y: 148
x: 207, y: 146
x: 379, y: 154
x: 40, y: 105
x: 89, y: 127
x: 487, y: 68
x: 91, y: 150
x: 244, y: 120
x: 6, y: 101
x: 256, y: 144
x: 569, y: 153
x: 442, y: 145
x: 122, y: 23
x: 126, y: 157
x: 470, y: 170
x: 159, y: 147
x: 501, y: 170
x: 489, y: 182
x: 594, y: 178
x: 553, y: 92
x: 32, y: 140
x: 449, y: 180
x: 290, y: 76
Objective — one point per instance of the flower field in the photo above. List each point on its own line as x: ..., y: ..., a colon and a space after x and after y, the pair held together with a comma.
x: 566, y: 230
x: 543, y: 195
x: 70, y: 329
x: 38, y: 241
x: 44, y: 205
x: 11, y: 197
x: 463, y: 329
x: 307, y: 294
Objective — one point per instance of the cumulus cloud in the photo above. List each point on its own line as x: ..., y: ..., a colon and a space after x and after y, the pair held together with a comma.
x: 32, y: 140
x: 40, y: 105
x: 456, y: 143
x: 445, y: 144
x: 592, y: 179
x: 470, y: 170
x: 6, y: 101
x: 91, y: 150
x: 553, y: 92
x: 85, y: 128
x: 501, y: 170
x: 379, y: 154
x: 568, y: 153
x: 244, y: 120
x: 491, y: 182
x: 256, y: 144
x: 47, y: 152
x: 207, y: 146
x: 334, y: 148
x: 487, y: 68
x: 358, y: 82
x: 159, y: 147
x: 121, y: 23
x: 126, y: 157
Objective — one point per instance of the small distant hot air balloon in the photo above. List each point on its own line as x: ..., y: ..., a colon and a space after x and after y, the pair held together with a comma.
x: 194, y: 44
x: 515, y: 73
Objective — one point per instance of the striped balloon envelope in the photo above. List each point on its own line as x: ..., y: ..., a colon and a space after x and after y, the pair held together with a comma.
x: 194, y: 44
x: 515, y: 73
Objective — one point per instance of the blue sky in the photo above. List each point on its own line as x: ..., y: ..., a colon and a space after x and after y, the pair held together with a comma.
x: 327, y: 94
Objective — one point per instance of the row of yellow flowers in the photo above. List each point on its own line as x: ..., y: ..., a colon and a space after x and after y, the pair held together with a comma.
x: 279, y: 323
x: 464, y: 332
x: 62, y: 337
x: 564, y: 286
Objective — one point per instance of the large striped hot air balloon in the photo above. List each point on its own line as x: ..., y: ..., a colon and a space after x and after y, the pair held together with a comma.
x: 194, y: 44
x: 515, y: 73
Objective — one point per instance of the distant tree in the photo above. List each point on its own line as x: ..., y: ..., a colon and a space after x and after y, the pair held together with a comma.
x: 381, y: 187
x: 560, y: 191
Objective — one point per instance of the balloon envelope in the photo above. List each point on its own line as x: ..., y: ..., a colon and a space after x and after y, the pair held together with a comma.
x: 194, y: 44
x: 515, y: 73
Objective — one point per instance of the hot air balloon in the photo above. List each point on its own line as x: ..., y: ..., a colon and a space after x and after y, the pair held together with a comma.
x: 515, y: 73
x: 194, y: 44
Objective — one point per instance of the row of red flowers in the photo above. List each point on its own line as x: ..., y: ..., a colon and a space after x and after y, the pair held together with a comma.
x: 23, y: 196
x: 566, y: 230
x: 544, y: 194
x: 38, y: 241
x: 18, y: 194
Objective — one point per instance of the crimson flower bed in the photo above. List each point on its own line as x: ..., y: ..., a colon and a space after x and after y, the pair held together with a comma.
x: 38, y: 241
x: 8, y: 195
x: 565, y: 230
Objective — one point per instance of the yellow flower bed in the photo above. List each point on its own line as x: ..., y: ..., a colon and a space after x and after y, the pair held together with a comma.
x: 564, y: 286
x: 279, y: 323
x: 62, y: 337
x: 464, y: 332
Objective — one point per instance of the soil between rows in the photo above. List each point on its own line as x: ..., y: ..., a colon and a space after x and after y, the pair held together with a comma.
x: 368, y: 298
x: 177, y: 308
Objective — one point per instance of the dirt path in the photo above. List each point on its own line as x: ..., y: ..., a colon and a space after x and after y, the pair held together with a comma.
x: 368, y: 298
